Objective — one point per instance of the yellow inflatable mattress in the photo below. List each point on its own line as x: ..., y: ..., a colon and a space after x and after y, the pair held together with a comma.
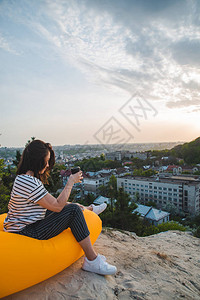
x: 26, y: 261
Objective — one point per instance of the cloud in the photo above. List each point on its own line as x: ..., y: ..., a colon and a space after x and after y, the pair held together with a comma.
x: 164, y: 40
x: 192, y: 85
x: 196, y: 109
x: 183, y: 103
x: 86, y: 37
x: 136, y: 14
x: 186, y: 52
x: 93, y: 42
x: 150, y: 46
x: 6, y: 46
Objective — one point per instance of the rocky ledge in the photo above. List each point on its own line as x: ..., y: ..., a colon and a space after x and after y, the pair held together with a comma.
x: 161, y: 266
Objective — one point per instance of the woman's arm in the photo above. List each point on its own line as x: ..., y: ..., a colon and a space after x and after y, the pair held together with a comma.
x: 53, y: 204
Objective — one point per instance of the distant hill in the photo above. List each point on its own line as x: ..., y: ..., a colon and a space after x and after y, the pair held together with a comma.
x: 190, y: 152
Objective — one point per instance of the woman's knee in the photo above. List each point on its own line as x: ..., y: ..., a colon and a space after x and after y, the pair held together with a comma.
x: 71, y: 208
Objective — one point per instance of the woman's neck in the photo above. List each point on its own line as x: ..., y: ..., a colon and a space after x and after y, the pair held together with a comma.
x: 31, y: 173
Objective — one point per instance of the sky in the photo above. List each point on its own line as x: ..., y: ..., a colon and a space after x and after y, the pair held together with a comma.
x: 99, y: 71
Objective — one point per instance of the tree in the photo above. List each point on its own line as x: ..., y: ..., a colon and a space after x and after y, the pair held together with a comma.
x: 102, y: 157
x: 137, y: 197
x: 4, y: 189
x: 197, y: 232
x: 54, y: 181
x: 109, y: 190
x: 172, y: 225
x: 190, y: 152
x: 29, y: 141
x: 72, y: 196
x: 88, y: 199
x: 123, y: 213
x: 8, y: 178
x: 103, y: 190
x: 112, y: 189
x: 137, y: 163
x: 149, y: 230
x: 151, y: 203
x: 4, y: 199
x: 142, y: 173
x: 97, y: 163
x: 172, y: 209
x: 1, y: 168
x: 197, y: 220
x: 17, y: 158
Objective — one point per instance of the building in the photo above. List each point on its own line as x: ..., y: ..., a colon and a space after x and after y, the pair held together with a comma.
x: 91, y: 185
x: 117, y: 155
x: 101, y: 199
x: 153, y: 215
x: 140, y: 155
x: 78, y: 187
x: 189, y: 169
x: 180, y: 192
x: 176, y: 170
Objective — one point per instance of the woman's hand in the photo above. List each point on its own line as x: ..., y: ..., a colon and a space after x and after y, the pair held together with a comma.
x: 51, y: 203
x: 80, y: 205
x: 77, y: 177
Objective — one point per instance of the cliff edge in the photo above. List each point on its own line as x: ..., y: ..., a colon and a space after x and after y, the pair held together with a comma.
x: 161, y: 266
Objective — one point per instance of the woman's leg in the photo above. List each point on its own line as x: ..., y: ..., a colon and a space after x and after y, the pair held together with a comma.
x: 54, y: 223
x: 87, y: 247
x: 71, y: 216
x: 97, y: 209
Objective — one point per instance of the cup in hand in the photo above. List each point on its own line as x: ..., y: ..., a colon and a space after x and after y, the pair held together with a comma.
x: 75, y: 170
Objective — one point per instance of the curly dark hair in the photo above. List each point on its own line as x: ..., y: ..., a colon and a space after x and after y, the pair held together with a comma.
x: 33, y: 159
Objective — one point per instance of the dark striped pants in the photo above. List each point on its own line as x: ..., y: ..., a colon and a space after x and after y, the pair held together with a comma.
x: 55, y: 222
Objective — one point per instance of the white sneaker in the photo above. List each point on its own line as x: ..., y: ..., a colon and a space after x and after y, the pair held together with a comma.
x: 102, y: 257
x: 99, y: 266
x: 97, y: 209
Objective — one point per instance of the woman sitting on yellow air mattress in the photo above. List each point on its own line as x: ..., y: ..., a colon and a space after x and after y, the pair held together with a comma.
x: 35, y: 213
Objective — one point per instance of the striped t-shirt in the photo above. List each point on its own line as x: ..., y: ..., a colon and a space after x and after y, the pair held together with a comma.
x: 23, y: 208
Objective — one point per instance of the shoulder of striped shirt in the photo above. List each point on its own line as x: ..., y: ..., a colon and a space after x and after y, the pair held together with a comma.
x: 26, y: 183
x: 29, y: 178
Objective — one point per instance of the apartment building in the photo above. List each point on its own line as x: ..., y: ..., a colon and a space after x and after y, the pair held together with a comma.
x: 91, y: 185
x: 117, y: 155
x: 140, y: 155
x: 184, y: 194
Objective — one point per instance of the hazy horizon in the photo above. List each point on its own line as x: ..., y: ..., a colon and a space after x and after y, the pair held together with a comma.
x: 99, y: 72
x: 97, y: 144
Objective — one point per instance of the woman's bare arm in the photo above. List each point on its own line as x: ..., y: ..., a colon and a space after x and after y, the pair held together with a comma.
x: 53, y: 204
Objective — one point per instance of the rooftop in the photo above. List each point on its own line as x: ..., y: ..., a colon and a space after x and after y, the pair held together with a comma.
x: 173, y: 179
x: 101, y: 199
x: 151, y: 213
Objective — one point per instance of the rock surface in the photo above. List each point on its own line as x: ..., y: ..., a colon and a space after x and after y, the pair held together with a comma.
x: 161, y: 266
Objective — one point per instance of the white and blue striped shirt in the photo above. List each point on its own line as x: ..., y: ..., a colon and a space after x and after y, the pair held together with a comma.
x: 23, y: 208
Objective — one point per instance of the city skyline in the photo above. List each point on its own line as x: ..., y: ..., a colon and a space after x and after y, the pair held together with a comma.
x: 78, y: 72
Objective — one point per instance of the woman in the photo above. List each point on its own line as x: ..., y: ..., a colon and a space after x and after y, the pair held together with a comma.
x: 35, y: 213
